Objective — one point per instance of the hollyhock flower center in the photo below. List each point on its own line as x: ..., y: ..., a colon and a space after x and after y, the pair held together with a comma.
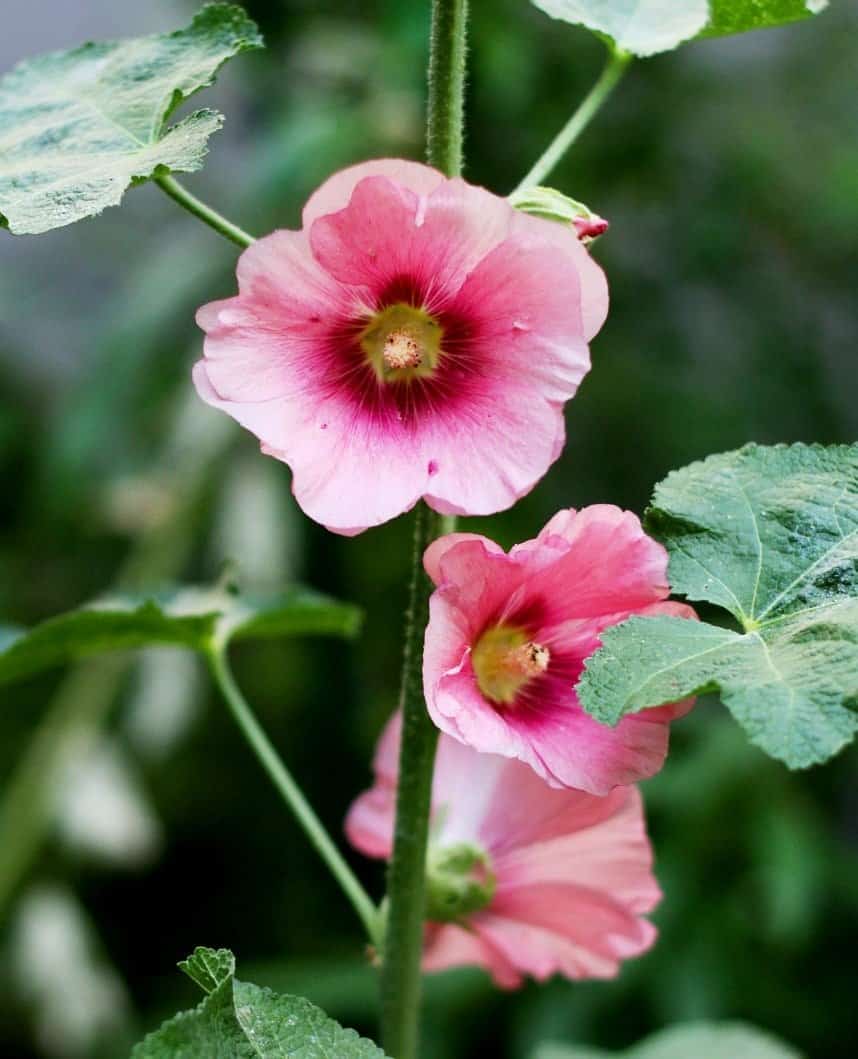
x: 459, y: 882
x: 505, y: 659
x: 402, y: 342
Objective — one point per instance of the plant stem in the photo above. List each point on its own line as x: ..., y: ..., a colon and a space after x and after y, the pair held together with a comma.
x: 292, y: 794
x: 406, y: 880
x: 446, y: 110
x: 205, y: 213
x: 615, y: 67
x: 403, y: 946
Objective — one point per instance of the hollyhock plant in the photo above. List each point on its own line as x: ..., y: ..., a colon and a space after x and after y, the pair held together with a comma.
x: 509, y: 633
x: 522, y: 879
x: 417, y: 338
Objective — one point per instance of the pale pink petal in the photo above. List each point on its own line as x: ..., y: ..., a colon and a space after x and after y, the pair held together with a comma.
x: 590, y: 919
x: 542, y: 953
x: 450, y: 945
x: 336, y: 191
x: 369, y: 822
x: 609, y: 851
x: 268, y: 343
x: 516, y: 437
x: 525, y: 812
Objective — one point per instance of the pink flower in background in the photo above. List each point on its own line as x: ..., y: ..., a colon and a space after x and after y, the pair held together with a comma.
x: 417, y: 338
x: 530, y: 880
x: 508, y: 635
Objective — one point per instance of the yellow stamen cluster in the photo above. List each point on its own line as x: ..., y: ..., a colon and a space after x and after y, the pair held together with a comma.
x: 505, y: 659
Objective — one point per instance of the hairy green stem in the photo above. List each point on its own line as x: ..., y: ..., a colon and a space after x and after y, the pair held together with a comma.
x: 615, y: 67
x: 205, y: 213
x: 292, y: 794
x: 406, y: 882
x: 446, y: 109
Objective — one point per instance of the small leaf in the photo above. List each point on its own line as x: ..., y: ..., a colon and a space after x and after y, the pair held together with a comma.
x: 646, y: 27
x: 209, y: 968
x: 692, y: 1040
x: 188, y: 617
x: 78, y: 127
x: 771, y: 535
x: 238, y: 1020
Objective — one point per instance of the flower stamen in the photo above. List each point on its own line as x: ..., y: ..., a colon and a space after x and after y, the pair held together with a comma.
x: 505, y: 659
x: 402, y: 343
x: 402, y: 350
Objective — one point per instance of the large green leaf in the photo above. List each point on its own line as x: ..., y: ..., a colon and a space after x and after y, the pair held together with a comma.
x: 693, y: 1040
x: 189, y: 617
x: 646, y: 27
x: 77, y: 127
x: 770, y: 535
x: 239, y: 1021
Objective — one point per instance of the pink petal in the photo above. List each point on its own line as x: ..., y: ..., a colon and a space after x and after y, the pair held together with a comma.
x: 449, y: 945
x: 590, y: 919
x: 336, y: 191
x: 594, y: 300
x: 510, y: 439
x: 370, y: 820
x: 434, y: 555
x: 531, y: 330
x: 610, y: 565
x: 606, y: 853
x: 541, y: 953
x: 387, y: 232
x: 574, y: 750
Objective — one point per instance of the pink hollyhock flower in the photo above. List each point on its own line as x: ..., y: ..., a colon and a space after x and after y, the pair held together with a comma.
x: 522, y: 879
x: 508, y: 635
x: 417, y: 338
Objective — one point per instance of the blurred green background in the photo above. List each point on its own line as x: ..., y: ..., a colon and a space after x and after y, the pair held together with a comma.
x: 729, y: 171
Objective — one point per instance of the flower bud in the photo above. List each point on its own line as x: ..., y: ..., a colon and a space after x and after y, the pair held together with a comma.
x: 555, y: 206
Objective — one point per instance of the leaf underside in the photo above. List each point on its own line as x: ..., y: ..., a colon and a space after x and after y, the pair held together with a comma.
x: 238, y: 1020
x: 78, y: 127
x: 647, y: 27
x: 770, y: 534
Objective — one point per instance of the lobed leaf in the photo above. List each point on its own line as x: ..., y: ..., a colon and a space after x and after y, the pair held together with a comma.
x: 770, y: 534
x: 78, y: 127
x: 646, y: 27
x: 692, y: 1040
x: 187, y: 617
x: 238, y: 1020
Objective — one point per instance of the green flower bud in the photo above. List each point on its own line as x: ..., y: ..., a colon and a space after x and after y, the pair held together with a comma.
x: 459, y: 882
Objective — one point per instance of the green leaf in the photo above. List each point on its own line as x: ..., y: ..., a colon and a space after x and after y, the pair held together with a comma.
x: 738, y: 16
x: 692, y: 1040
x: 187, y: 617
x: 8, y: 635
x: 77, y: 127
x: 771, y: 535
x: 238, y: 1020
x: 646, y: 27
x: 209, y: 968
